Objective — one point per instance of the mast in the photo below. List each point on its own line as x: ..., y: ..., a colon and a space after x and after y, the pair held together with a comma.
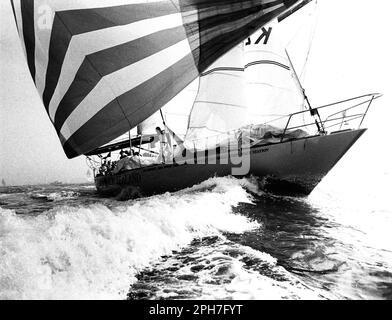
x: 314, y: 112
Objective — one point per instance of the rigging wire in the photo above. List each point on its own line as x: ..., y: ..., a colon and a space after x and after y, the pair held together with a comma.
x: 312, y: 16
x: 305, y: 26
x: 315, y: 15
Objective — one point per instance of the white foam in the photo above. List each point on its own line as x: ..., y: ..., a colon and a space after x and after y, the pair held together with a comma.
x: 219, y: 272
x: 95, y: 252
x: 249, y: 284
x: 55, y: 196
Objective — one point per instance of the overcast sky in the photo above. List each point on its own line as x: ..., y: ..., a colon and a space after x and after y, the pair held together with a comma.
x: 351, y: 55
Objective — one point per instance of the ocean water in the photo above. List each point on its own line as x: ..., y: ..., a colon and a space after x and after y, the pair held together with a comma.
x: 222, y: 239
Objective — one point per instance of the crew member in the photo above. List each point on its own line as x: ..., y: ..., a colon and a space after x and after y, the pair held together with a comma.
x: 123, y: 154
x: 162, y: 144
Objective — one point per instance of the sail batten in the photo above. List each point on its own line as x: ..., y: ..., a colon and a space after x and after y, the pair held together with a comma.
x: 103, y: 67
x: 27, y: 8
x: 19, y: 23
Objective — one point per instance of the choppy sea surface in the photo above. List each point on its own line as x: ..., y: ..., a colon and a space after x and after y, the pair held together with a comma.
x: 222, y: 239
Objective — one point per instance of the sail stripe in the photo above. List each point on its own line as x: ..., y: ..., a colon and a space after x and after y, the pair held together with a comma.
x: 19, y: 23
x: 101, y: 64
x: 27, y: 7
x: 93, y: 19
x: 239, y: 69
x: 106, y: 124
x: 221, y: 69
x: 86, y: 44
x: 223, y: 6
x: 76, y: 22
x: 253, y: 63
x: 124, y: 80
x: 13, y: 11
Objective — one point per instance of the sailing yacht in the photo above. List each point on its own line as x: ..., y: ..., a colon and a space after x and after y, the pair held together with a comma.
x: 104, y: 69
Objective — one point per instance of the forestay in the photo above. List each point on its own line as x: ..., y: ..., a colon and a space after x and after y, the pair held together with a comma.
x: 102, y: 67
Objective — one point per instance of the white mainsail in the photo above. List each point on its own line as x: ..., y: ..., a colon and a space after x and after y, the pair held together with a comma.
x: 252, y: 84
x: 271, y: 92
x: 220, y: 103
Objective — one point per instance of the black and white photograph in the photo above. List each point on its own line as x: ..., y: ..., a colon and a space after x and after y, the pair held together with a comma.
x: 191, y: 150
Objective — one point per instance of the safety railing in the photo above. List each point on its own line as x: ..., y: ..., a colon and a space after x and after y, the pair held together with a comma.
x: 324, y: 121
x: 336, y: 118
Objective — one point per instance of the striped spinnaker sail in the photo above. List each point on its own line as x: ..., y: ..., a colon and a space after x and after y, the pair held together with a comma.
x: 102, y: 67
